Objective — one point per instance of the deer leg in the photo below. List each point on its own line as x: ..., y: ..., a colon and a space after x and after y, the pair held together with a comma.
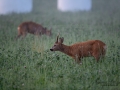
x: 96, y: 56
x: 19, y: 35
x: 103, y: 54
x: 37, y: 34
x: 24, y: 35
x: 78, y: 60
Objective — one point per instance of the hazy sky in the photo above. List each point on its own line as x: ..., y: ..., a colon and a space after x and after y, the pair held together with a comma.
x: 74, y: 5
x: 18, y: 6
x: 7, y: 6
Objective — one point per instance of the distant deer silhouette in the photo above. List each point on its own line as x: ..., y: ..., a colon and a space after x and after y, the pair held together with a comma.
x: 32, y: 28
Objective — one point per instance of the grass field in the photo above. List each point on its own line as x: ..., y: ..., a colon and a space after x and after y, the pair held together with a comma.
x: 28, y: 64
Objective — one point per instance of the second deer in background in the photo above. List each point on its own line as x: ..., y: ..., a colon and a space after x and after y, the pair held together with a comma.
x: 32, y: 28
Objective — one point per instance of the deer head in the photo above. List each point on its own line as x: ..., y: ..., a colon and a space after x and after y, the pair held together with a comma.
x: 58, y: 44
x: 48, y: 32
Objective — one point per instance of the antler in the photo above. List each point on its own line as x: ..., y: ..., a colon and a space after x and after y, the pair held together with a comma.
x: 57, y: 38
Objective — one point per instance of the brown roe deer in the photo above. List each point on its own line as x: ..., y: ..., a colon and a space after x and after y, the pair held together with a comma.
x: 32, y: 28
x: 95, y: 48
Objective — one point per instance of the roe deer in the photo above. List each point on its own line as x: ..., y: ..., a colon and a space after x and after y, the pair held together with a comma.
x: 32, y: 28
x: 95, y: 48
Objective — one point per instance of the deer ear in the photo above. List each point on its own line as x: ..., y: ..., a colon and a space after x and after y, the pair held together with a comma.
x: 61, y: 40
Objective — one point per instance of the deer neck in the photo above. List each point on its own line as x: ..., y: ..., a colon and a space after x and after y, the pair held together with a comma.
x: 66, y: 49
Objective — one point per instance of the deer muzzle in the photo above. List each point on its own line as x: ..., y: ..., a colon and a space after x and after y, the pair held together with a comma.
x: 51, y: 49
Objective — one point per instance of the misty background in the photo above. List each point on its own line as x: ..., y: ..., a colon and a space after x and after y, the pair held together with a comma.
x: 18, y: 6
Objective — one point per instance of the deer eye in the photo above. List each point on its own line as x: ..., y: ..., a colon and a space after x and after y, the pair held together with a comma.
x: 54, y: 45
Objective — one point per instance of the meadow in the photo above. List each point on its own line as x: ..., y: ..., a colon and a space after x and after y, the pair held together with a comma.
x: 28, y: 64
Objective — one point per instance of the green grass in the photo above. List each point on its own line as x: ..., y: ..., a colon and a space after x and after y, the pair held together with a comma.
x: 28, y: 64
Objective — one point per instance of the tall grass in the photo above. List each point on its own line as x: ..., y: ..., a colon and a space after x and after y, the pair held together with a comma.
x: 29, y: 65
